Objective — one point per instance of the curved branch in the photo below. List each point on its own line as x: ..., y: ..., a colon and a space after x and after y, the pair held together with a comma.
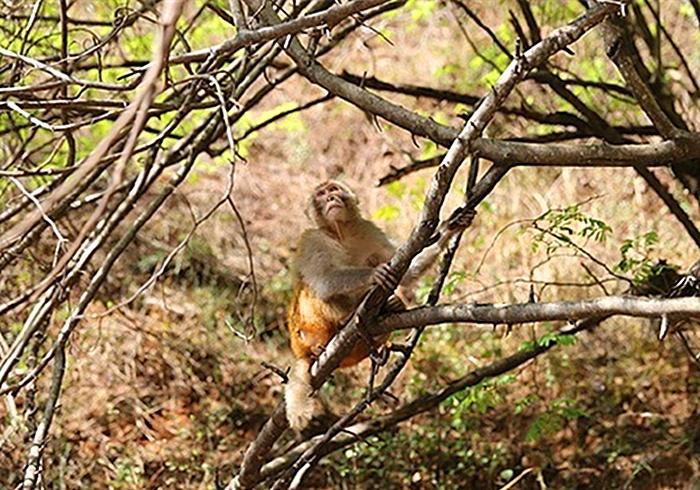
x: 518, y: 154
x: 618, y: 48
x: 245, y: 37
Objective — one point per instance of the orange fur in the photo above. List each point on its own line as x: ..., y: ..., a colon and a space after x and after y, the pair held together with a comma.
x: 312, y: 323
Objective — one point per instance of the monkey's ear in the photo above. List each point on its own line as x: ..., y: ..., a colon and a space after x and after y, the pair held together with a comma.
x: 348, y: 191
x: 310, y: 210
x: 354, y: 197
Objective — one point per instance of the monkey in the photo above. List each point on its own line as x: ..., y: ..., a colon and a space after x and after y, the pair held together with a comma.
x: 335, y: 265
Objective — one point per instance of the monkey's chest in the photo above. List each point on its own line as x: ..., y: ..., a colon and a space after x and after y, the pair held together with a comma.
x: 366, y: 257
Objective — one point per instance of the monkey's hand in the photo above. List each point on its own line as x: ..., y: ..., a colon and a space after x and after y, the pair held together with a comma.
x: 383, y: 277
x: 461, y: 219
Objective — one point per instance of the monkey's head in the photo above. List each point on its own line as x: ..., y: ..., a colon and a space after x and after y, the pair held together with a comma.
x: 333, y: 202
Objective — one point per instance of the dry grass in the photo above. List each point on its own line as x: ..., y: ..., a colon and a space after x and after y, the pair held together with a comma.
x: 163, y: 394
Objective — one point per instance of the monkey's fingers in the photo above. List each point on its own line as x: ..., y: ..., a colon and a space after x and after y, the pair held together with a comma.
x: 384, y: 277
x: 316, y: 351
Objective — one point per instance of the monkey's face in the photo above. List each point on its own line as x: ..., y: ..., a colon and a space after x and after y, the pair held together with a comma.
x: 334, y: 202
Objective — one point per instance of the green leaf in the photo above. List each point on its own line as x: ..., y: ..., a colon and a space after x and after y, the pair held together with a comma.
x: 507, y: 474
x: 386, y: 213
x: 396, y: 189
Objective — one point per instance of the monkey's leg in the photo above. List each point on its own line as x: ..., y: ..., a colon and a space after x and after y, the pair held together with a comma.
x: 374, y: 347
x: 301, y: 406
x: 365, y: 347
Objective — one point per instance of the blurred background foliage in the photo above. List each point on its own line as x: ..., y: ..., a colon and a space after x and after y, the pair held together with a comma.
x: 165, y: 391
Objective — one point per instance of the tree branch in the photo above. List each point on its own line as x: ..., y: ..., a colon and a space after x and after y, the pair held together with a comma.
x: 619, y: 51
x: 32, y: 469
x: 246, y: 37
x: 517, y: 154
x: 539, y: 312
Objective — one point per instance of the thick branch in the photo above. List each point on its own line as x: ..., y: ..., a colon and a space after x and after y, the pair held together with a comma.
x: 619, y: 51
x: 516, y: 154
x: 598, y: 155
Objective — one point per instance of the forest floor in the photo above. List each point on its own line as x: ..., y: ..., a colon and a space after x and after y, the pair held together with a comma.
x: 166, y: 391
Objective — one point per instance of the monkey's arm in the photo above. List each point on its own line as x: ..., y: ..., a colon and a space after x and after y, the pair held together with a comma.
x: 322, y: 265
x: 330, y: 283
x: 422, y: 262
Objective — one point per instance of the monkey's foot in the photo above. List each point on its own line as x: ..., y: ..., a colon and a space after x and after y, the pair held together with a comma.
x: 462, y: 219
x: 317, y: 351
x: 394, y: 304
x: 300, y: 404
x: 380, y: 356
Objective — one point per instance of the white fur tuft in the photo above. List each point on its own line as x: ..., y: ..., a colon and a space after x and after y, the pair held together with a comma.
x: 300, y: 404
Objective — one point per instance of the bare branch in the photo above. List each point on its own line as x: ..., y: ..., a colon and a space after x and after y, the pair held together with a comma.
x: 539, y: 312
x: 422, y: 404
x: 618, y: 50
x: 246, y: 37
x: 36, y: 449
x: 517, y: 154
x: 145, y: 95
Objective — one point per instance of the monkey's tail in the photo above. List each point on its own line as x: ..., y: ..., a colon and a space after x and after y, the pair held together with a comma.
x: 298, y: 396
